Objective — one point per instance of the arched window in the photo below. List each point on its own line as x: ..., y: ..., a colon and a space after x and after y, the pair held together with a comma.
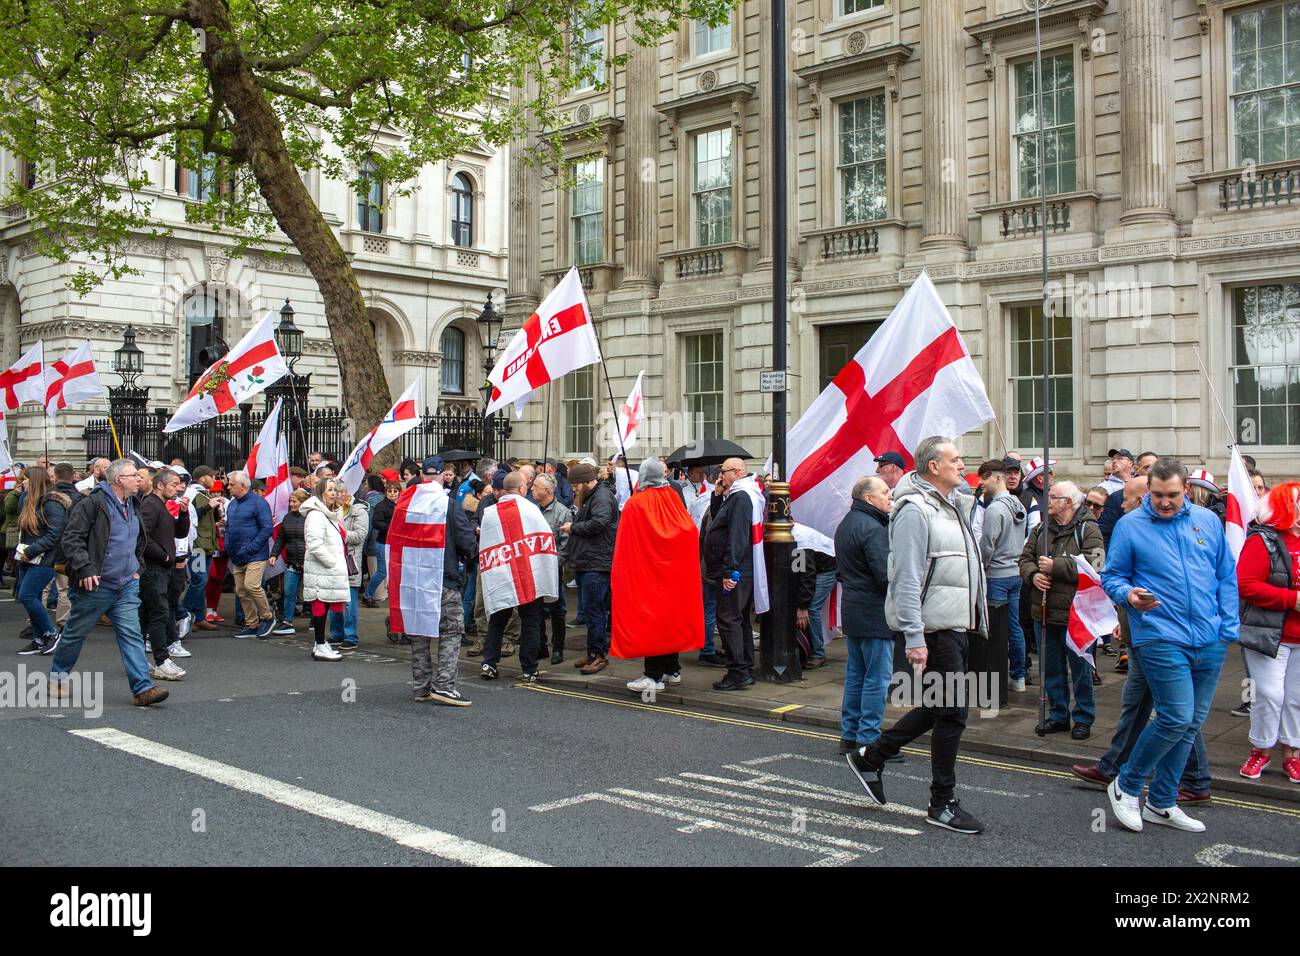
x: 370, y: 199
x: 452, y: 347
x: 462, y: 211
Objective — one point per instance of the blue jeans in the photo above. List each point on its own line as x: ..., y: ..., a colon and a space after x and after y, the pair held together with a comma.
x: 33, y: 579
x: 1007, y: 591
x: 381, y: 570
x: 1056, y: 659
x: 122, y: 605
x: 193, y: 599
x: 346, y: 621
x: 1135, y: 712
x: 471, y: 589
x: 867, y: 672
x: 593, y: 590
x: 292, y: 586
x: 710, y: 618
x: 821, y: 592
x: 1182, y: 681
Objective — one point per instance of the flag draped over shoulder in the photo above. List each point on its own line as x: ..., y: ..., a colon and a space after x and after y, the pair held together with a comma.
x: 517, y: 561
x: 655, y: 580
x: 416, y: 541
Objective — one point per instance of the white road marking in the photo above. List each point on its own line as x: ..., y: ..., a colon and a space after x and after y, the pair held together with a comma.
x: 785, y: 809
x: 403, y: 832
x: 1215, y: 855
x: 889, y: 774
x: 807, y: 791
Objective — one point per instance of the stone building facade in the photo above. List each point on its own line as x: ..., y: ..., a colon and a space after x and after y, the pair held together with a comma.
x: 426, y: 263
x: 1173, y: 179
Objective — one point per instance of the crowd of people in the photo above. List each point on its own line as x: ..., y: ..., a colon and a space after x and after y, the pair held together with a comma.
x: 929, y: 562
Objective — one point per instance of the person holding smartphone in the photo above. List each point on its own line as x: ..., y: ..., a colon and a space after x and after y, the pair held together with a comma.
x: 1169, y: 563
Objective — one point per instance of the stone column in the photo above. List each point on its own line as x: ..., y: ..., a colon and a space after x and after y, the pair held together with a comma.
x: 1146, y: 112
x: 641, y: 169
x: 943, y: 78
x: 525, y: 198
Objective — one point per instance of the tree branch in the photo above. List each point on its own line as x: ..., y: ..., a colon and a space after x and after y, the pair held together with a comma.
x: 296, y: 59
x: 323, y: 101
x: 140, y: 137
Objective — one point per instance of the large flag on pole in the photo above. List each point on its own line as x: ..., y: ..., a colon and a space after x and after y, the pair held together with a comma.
x: 632, y: 414
x: 262, y: 459
x: 246, y: 370
x: 70, y: 380
x: 24, y: 381
x: 1241, y: 503
x: 913, y: 379
x: 517, y: 560
x: 1092, y: 615
x: 278, y: 485
x: 401, y: 418
x: 416, y: 539
x: 556, y: 339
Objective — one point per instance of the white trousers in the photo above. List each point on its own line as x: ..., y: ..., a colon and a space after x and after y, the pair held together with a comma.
x: 1275, y: 712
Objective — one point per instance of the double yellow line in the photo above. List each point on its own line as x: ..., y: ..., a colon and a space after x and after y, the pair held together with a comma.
x: 820, y: 735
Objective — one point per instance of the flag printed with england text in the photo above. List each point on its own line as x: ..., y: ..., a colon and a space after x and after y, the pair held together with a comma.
x: 24, y: 381
x: 416, y: 541
x: 517, y: 560
x: 246, y: 370
x: 1241, y: 503
x: 556, y: 339
x: 70, y: 380
x: 401, y: 418
x: 913, y: 378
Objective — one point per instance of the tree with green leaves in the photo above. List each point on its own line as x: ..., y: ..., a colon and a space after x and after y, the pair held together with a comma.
x: 255, y: 92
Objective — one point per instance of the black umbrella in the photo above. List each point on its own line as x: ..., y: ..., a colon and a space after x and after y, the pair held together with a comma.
x: 457, y: 454
x: 708, y: 451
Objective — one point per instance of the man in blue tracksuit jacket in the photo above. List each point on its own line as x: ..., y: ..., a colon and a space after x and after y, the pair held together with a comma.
x: 1169, y: 562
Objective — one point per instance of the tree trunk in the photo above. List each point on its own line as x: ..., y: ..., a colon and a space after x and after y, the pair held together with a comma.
x: 366, y: 397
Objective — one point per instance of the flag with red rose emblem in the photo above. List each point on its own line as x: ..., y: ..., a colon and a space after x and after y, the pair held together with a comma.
x: 245, y: 371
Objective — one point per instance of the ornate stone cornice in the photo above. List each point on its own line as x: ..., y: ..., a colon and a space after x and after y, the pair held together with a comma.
x: 287, y: 263
x: 418, y: 358
x: 1249, y: 241
x: 87, y: 329
x: 1158, y: 249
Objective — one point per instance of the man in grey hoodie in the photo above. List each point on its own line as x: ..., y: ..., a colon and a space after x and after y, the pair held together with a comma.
x: 936, y: 599
x: 1002, y: 540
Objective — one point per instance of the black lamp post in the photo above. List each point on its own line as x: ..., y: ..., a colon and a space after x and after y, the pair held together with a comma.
x: 489, y: 324
x: 289, y: 339
x: 128, y: 399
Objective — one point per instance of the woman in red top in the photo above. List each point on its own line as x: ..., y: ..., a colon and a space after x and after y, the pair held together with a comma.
x: 1268, y: 581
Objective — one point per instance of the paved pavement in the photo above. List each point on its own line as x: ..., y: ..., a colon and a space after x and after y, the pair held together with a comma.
x: 262, y: 756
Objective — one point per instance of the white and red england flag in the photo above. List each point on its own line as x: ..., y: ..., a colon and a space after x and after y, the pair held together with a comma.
x: 1092, y: 616
x: 632, y: 414
x: 262, y: 459
x: 1241, y: 503
x: 913, y: 379
x: 246, y: 370
x: 70, y: 380
x: 278, y: 485
x: 416, y: 539
x: 517, y: 561
x: 8, y: 478
x: 401, y: 418
x: 24, y: 381
x: 749, y: 486
x: 556, y: 339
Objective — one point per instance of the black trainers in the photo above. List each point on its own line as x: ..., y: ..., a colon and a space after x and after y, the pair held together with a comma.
x: 488, y: 672
x: 32, y: 648
x: 952, y: 817
x: 870, y: 777
x: 527, y: 678
x: 51, y: 642
x: 1241, y: 710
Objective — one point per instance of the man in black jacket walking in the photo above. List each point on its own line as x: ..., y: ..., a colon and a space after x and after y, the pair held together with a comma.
x: 160, y: 588
x: 729, y: 558
x: 103, y: 548
x: 591, y: 556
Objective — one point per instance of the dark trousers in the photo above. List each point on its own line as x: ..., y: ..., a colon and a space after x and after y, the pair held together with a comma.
x: 594, y: 587
x: 948, y: 654
x: 734, y: 608
x: 553, y: 615
x: 156, y: 619
x: 657, y: 667
x: 530, y: 635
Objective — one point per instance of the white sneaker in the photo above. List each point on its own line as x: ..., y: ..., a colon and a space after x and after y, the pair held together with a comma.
x: 1173, y: 817
x: 167, y: 670
x: 674, y: 678
x: 177, y: 649
x: 323, y: 652
x: 1124, y: 807
x: 1016, y: 685
x: 183, y: 628
x: 644, y: 684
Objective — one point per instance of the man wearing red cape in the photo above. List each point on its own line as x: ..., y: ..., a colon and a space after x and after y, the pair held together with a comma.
x: 655, y: 581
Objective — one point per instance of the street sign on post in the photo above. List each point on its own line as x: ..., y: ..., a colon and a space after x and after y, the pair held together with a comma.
x: 771, y: 382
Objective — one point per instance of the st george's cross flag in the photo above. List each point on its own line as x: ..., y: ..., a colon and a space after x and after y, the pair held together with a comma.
x: 6, y: 460
x: 70, y: 380
x: 556, y: 339
x: 262, y: 461
x: 517, y: 560
x: 632, y: 414
x: 246, y: 370
x: 24, y: 381
x: 401, y: 418
x: 1241, y: 503
x: 758, y: 503
x: 1092, y: 616
x: 912, y: 379
x: 416, y: 539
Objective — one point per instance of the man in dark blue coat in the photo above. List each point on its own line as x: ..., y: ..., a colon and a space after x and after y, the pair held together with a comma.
x: 248, y: 532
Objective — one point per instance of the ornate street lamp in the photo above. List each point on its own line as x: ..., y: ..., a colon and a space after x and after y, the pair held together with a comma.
x: 489, y: 324
x: 288, y: 337
x: 128, y: 360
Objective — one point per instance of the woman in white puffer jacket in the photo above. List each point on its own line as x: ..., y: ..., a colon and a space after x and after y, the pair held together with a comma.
x: 325, y: 585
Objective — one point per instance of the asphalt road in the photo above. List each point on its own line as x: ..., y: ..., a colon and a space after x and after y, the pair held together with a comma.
x: 264, y: 757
